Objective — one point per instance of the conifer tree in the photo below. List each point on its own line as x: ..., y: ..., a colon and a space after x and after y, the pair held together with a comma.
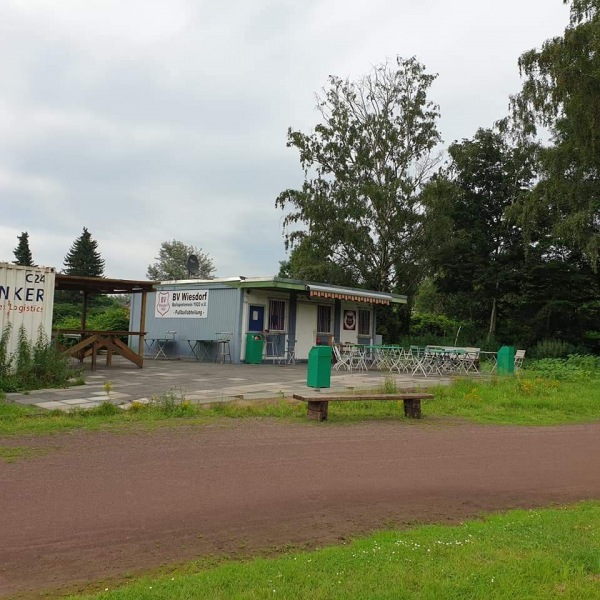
x: 22, y: 252
x: 83, y: 259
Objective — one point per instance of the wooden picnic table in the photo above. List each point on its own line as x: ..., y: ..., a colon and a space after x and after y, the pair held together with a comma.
x: 91, y: 341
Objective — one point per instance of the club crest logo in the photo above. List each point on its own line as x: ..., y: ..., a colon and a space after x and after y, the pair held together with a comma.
x: 162, y: 304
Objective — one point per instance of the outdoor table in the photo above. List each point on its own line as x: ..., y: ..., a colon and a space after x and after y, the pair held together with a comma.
x: 383, y: 357
x: 274, y: 347
x: 159, y: 345
x: 492, y: 357
x: 375, y: 356
x: 358, y: 357
x: 428, y: 362
x: 200, y: 349
x: 92, y: 341
x: 350, y: 356
x: 149, y: 343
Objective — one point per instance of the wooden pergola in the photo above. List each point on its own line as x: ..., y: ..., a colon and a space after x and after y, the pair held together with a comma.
x: 90, y: 342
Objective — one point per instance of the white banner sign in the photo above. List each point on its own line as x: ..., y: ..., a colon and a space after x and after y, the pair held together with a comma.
x: 181, y: 304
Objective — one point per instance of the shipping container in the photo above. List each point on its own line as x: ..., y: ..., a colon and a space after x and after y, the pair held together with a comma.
x: 26, y: 301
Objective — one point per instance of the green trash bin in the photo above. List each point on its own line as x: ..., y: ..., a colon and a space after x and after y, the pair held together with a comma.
x: 254, y: 348
x: 506, y: 360
x: 319, y: 367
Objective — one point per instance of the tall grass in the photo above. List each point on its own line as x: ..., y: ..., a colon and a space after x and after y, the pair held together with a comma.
x: 32, y: 366
x: 521, y: 554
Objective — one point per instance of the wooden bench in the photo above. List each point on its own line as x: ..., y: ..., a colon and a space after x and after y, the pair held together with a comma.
x: 318, y: 405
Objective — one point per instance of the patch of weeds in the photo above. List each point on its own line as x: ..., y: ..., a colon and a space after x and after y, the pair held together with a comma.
x: 136, y: 406
x: 106, y: 409
x: 107, y: 387
x: 173, y: 404
x: 77, y: 380
x: 33, y: 366
x: 388, y: 385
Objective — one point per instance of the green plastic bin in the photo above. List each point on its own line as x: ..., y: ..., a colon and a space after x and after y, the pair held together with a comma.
x: 506, y: 360
x: 319, y: 367
x: 254, y: 348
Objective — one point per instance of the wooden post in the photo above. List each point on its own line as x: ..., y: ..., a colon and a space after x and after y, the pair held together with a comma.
x: 109, y: 349
x: 412, y: 408
x: 317, y: 410
x: 142, y: 323
x: 84, y: 310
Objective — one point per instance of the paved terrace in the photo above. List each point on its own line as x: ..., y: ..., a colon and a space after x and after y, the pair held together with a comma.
x: 203, y: 382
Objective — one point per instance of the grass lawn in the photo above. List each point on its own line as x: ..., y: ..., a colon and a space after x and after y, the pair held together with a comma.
x: 520, y: 401
x: 526, y: 400
x: 551, y: 553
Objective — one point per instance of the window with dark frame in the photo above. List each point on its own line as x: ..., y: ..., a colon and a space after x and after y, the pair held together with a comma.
x: 276, y: 315
x: 323, y: 318
x: 364, y: 321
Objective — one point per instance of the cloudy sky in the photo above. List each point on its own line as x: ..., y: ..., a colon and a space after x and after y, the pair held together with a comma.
x: 153, y: 120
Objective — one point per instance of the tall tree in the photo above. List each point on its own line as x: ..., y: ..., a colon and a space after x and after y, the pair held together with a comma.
x: 364, y: 167
x: 309, y: 261
x: 84, y: 259
x: 172, y: 263
x: 561, y: 92
x: 476, y: 248
x: 22, y: 252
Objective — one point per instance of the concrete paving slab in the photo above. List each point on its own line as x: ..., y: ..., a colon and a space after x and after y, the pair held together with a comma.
x: 203, y: 382
x: 73, y: 401
x: 85, y: 405
x: 111, y: 395
x: 53, y: 405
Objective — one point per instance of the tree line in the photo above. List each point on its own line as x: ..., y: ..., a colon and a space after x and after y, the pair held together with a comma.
x: 84, y: 259
x: 499, y: 237
x: 503, y: 236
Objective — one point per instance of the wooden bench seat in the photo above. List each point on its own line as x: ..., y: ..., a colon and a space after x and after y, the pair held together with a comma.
x: 319, y: 405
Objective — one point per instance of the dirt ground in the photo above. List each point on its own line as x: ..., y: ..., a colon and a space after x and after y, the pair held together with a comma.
x: 96, y: 506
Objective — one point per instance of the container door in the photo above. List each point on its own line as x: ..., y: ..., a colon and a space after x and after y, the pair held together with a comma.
x: 256, y: 319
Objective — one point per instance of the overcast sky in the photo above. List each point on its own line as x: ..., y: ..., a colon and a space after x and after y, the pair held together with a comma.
x: 153, y: 120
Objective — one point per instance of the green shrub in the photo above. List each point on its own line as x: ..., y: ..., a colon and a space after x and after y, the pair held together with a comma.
x: 113, y: 319
x: 571, y: 368
x: 426, y: 324
x: 552, y: 349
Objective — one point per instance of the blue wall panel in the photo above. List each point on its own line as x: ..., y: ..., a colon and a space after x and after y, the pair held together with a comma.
x: 224, y: 315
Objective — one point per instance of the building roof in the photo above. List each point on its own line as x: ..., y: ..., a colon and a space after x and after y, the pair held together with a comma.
x: 105, y: 285
x: 313, y: 290
x: 102, y: 285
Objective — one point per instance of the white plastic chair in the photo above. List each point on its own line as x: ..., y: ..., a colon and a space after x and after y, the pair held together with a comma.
x: 470, y: 360
x: 341, y: 360
x: 357, y: 357
x: 519, y: 357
